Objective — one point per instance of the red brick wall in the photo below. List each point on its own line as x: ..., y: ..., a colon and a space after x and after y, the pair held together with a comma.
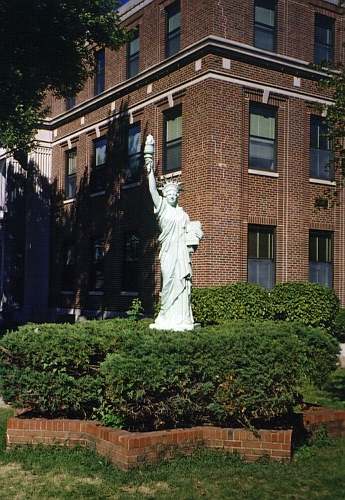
x: 218, y: 190
x: 132, y: 449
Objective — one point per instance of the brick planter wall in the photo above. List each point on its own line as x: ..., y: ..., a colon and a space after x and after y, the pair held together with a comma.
x: 130, y: 449
x: 332, y: 420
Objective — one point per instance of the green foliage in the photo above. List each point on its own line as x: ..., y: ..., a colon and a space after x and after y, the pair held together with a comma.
x: 49, y: 47
x: 54, y: 368
x: 236, y: 301
x: 336, y: 384
x: 310, y: 303
x: 166, y: 379
x: 321, y: 352
x: 127, y: 375
x: 136, y: 310
x: 339, y: 325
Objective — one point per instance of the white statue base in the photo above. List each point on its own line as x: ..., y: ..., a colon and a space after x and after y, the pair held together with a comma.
x: 172, y: 326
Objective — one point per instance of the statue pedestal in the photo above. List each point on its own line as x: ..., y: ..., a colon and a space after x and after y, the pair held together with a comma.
x: 171, y: 326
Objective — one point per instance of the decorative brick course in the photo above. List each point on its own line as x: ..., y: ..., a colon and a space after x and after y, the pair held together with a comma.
x: 130, y: 449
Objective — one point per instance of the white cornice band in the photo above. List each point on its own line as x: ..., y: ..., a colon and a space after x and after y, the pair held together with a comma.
x: 206, y: 44
x: 210, y: 75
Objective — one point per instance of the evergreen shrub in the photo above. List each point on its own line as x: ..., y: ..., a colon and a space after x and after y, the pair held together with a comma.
x: 122, y: 372
x: 238, y: 372
x: 310, y: 303
x: 54, y: 368
x: 215, y: 305
x: 336, y: 384
x: 339, y: 325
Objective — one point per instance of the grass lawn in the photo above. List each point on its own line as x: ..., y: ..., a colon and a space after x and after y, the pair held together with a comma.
x: 317, y: 471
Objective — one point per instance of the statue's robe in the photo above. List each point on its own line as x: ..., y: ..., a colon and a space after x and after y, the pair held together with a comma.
x: 175, y: 258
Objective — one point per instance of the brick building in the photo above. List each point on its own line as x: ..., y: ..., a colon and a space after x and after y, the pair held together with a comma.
x: 229, y: 93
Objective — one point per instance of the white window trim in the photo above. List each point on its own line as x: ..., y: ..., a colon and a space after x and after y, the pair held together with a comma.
x: 265, y: 173
x: 96, y: 292
x: 129, y: 294
x: 325, y: 182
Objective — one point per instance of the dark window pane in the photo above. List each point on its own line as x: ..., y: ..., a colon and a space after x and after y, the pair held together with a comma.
x: 132, y: 173
x: 100, y: 151
x: 173, y: 140
x: 264, y: 38
x: 100, y: 72
x: 133, y: 66
x: 70, y: 102
x: 321, y: 156
x: 261, y: 154
x: 70, y: 175
x: 262, y: 140
x: 320, y: 257
x: 133, y: 56
x: 68, y: 266
x: 97, y: 265
x: 261, y: 272
x: 261, y: 266
x: 265, y: 25
x: 324, y: 39
x: 173, y: 29
x: 130, y: 277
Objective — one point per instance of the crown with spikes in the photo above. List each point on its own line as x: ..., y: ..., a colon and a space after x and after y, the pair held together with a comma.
x: 175, y: 184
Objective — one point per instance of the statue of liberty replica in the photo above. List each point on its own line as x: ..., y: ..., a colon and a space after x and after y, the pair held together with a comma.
x: 178, y: 239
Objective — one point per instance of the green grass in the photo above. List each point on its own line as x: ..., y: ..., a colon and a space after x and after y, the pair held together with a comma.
x: 317, y: 471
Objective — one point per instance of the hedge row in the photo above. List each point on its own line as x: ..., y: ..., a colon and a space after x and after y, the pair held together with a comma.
x: 122, y: 372
x: 310, y: 303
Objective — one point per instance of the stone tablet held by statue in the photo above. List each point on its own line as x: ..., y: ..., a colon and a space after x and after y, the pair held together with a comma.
x: 178, y: 239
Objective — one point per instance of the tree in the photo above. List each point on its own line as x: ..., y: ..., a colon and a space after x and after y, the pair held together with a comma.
x: 48, y: 46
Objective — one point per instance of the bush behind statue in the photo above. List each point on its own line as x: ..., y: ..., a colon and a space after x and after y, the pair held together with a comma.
x: 309, y: 303
x: 214, y: 305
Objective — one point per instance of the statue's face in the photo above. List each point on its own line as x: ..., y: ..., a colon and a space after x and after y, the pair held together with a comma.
x: 172, y: 196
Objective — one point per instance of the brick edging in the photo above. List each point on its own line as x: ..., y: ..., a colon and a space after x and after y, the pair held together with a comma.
x: 130, y: 449
x: 332, y: 420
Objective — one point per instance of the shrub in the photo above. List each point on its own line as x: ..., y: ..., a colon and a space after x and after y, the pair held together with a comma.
x: 235, y: 301
x: 310, y: 303
x: 321, y: 352
x: 219, y: 375
x: 54, y: 368
x: 339, y: 325
x: 129, y: 375
x: 336, y: 384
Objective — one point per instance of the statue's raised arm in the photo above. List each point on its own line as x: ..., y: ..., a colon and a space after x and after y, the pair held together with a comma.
x: 148, y: 156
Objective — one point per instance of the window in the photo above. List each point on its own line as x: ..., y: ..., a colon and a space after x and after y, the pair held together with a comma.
x: 262, y: 140
x: 100, y: 72
x: 133, y: 154
x: 130, y: 263
x: 261, y: 249
x: 320, y: 257
x: 96, y: 280
x: 70, y: 102
x: 133, y: 55
x: 321, y: 155
x: 71, y: 174
x: 68, y: 266
x: 324, y: 39
x: 173, y: 29
x: 172, y: 139
x: 265, y: 25
x: 97, y: 178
